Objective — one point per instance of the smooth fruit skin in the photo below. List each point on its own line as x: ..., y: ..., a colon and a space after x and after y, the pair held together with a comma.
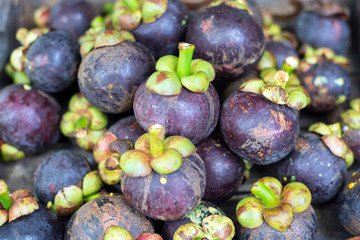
x: 94, y: 217
x: 281, y: 50
x: 109, y: 76
x: 256, y: 129
x: 73, y: 16
x: 318, y: 31
x: 349, y: 205
x: 312, y: 164
x: 326, y: 82
x: 227, y: 37
x: 167, y: 197
x: 188, y: 114
x: 303, y: 226
x: 29, y: 119
x: 224, y: 169
x: 163, y: 36
x: 52, y: 61
x: 60, y: 169
x: 127, y: 128
x: 40, y: 224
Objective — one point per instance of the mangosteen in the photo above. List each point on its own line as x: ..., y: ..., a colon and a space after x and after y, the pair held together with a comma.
x: 224, y: 169
x: 83, y: 122
x: 115, y: 232
x: 349, y: 205
x: 162, y: 177
x: 73, y: 16
x: 179, y: 96
x: 93, y: 219
x: 29, y: 119
x: 279, y: 51
x: 287, y: 211
x: 159, y: 25
x: 63, y: 181
x: 351, y: 128
x: 318, y: 161
x: 325, y: 26
x: 110, y: 74
x: 52, y: 61
x: 228, y: 37
x: 21, y: 217
x: 328, y: 84
x: 259, y: 121
x: 202, y: 211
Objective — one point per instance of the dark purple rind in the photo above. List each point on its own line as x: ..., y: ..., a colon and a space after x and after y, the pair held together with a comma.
x: 312, y: 164
x: 349, y: 205
x: 189, y: 114
x: 224, y: 170
x: 325, y: 102
x: 109, y: 76
x: 29, y: 119
x: 73, y: 16
x: 94, y: 217
x: 319, y: 31
x: 256, y: 129
x: 303, y: 226
x: 352, y: 140
x: 52, y: 61
x: 227, y: 37
x: 163, y: 36
x: 180, y: 194
x: 39, y: 225
x: 60, y: 169
x: 127, y: 128
x: 169, y: 227
x: 281, y: 50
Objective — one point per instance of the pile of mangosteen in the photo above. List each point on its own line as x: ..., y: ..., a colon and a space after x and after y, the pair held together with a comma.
x: 147, y: 119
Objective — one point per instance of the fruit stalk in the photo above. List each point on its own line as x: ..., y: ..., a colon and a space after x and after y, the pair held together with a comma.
x: 269, y: 198
x: 5, y: 197
x: 186, y: 52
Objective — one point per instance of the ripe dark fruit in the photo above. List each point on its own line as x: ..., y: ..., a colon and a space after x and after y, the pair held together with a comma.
x: 163, y: 35
x: 221, y: 182
x: 324, y: 27
x: 71, y: 16
x: 93, y: 219
x: 256, y: 129
x: 60, y: 169
x: 52, y: 61
x: 109, y: 76
x: 228, y: 37
x: 127, y: 128
x: 312, y: 163
x: 349, y: 205
x: 29, y: 118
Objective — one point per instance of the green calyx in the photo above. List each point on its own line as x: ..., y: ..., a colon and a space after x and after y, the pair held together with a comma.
x: 68, y: 200
x: 5, y: 197
x: 331, y: 137
x: 83, y: 122
x: 10, y: 153
x: 276, y: 87
x: 212, y: 227
x: 155, y: 152
x: 351, y: 117
x: 239, y: 4
x: 272, y: 203
x: 42, y: 16
x: 128, y: 14
x: 91, y: 183
x: 115, y: 232
x: 99, y: 36
x: 173, y: 73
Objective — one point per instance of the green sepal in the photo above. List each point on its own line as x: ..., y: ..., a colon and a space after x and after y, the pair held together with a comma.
x: 4, y: 215
x: 297, y: 195
x: 279, y: 217
x: 219, y: 227
x: 17, y: 58
x: 90, y: 139
x: 21, y: 207
x: 274, y: 93
x: 6, y: 199
x: 153, y: 9
x: 355, y: 104
x: 351, y: 118
x: 21, y: 78
x: 9, y: 152
x: 253, y: 86
x: 183, y: 145
x: 67, y: 123
x: 136, y: 163
x: 143, y: 143
x: 109, y: 38
x: 68, y: 200
x: 91, y: 183
x: 78, y: 102
x: 164, y: 83
x: 189, y: 231
x: 199, y: 65
x: 198, y: 82
x: 249, y: 212
x: 99, y: 119
x: 110, y: 177
x: 167, y: 163
x: 268, y: 75
x: 116, y: 232
x: 320, y: 128
x: 167, y: 63
x: 297, y: 99
x: 267, y: 60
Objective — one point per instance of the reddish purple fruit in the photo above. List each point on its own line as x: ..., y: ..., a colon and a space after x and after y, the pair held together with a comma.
x: 29, y: 118
x: 256, y: 129
x: 127, y: 128
x: 109, y: 76
x: 227, y: 37
x: 73, y: 16
x: 189, y: 114
x: 224, y: 170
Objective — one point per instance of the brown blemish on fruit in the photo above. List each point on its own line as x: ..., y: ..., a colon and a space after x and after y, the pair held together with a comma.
x: 302, y: 145
x: 309, y: 82
x: 52, y: 188
x: 161, y: 77
x: 206, y: 26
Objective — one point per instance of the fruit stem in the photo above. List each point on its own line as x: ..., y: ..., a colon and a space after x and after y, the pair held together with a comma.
x: 281, y: 78
x: 290, y: 64
x: 186, y: 52
x: 132, y: 5
x: 261, y: 191
x: 5, y: 197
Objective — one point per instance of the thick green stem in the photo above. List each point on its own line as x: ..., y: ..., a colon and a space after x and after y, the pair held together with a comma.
x: 186, y: 52
x: 5, y: 198
x: 290, y: 64
x: 281, y: 78
x: 132, y: 5
x: 82, y: 122
x: 261, y: 191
